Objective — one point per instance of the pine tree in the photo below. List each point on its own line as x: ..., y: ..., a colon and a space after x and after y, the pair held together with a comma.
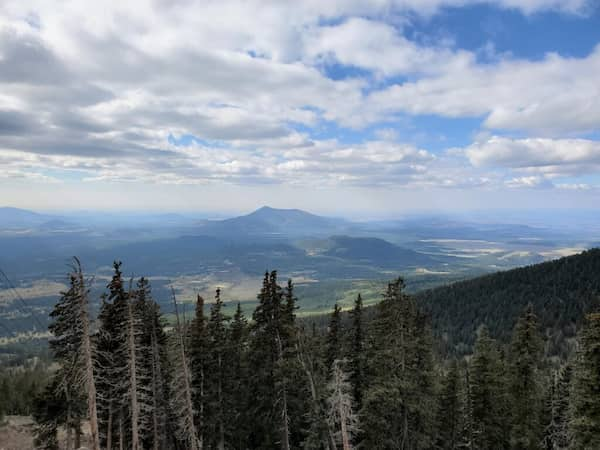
x: 199, y: 347
x: 236, y: 419
x: 72, y: 349
x: 111, y: 364
x: 320, y: 434
x: 399, y: 402
x: 216, y: 374
x: 449, y: 410
x: 585, y: 394
x: 274, y: 363
x: 524, y: 384
x: 355, y: 354
x: 487, y: 395
x: 333, y: 337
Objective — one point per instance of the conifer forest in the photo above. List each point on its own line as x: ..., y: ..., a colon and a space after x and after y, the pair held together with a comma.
x: 365, y: 378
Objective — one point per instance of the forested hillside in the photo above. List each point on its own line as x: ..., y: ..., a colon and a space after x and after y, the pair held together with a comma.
x: 221, y: 380
x: 561, y: 292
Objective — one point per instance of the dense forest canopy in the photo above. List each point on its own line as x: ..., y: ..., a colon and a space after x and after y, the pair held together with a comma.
x: 561, y: 292
x: 376, y: 378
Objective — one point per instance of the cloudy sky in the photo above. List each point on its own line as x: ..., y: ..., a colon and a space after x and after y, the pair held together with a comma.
x: 336, y: 106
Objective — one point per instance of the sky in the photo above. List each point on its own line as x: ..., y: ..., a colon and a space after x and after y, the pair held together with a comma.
x: 374, y: 106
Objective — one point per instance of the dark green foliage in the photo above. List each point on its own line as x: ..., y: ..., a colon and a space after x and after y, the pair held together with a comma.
x: 49, y: 413
x: 111, y: 360
x: 277, y: 399
x: 355, y: 353
x: 584, y: 426
x: 448, y: 423
x: 487, y: 392
x: 237, y: 421
x: 333, y: 337
x: 524, y: 387
x: 269, y: 384
x: 216, y: 375
x: 399, y: 402
x: 561, y: 292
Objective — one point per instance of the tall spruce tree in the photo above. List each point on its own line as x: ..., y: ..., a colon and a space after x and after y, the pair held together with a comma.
x: 487, y: 395
x: 216, y: 375
x: 276, y: 405
x: 398, y: 405
x: 72, y: 349
x: 334, y: 332
x: 112, y: 365
x: 237, y: 421
x: 199, y: 347
x: 585, y: 394
x: 356, y: 353
x: 449, y: 410
x: 526, y: 397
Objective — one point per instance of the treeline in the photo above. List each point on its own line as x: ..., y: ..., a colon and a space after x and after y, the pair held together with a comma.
x: 19, y: 385
x: 220, y: 381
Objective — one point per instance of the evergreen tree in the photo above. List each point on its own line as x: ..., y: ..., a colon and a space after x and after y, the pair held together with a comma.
x: 449, y: 410
x: 199, y: 346
x: 524, y: 384
x: 216, y: 375
x: 333, y: 337
x: 111, y: 364
x: 274, y: 363
x: 72, y: 349
x: 355, y: 354
x: 237, y: 421
x: 399, y: 402
x: 585, y: 394
x: 487, y: 395
x: 49, y: 413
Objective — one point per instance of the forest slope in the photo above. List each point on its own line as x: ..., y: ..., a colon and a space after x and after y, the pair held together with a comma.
x: 561, y: 292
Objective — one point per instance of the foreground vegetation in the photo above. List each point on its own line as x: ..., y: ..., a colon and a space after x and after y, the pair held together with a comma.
x: 369, y: 379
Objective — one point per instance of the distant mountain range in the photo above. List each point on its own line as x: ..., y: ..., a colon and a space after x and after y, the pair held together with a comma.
x: 15, y: 217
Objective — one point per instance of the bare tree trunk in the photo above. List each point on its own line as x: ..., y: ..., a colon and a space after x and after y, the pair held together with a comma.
x: 78, y: 435
x: 285, y: 431
x: 109, y: 426
x: 156, y: 434
x: 135, y: 440
x: 90, y: 384
x: 345, y: 436
x: 194, y: 442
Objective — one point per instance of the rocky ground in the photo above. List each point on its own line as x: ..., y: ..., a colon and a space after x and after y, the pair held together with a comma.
x: 16, y: 433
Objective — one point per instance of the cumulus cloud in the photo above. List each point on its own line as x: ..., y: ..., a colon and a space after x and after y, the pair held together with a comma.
x: 99, y: 89
x: 553, y: 157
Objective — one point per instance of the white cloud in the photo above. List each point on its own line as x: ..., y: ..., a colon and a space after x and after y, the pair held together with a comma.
x: 97, y: 88
x: 552, y: 157
x: 551, y: 96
